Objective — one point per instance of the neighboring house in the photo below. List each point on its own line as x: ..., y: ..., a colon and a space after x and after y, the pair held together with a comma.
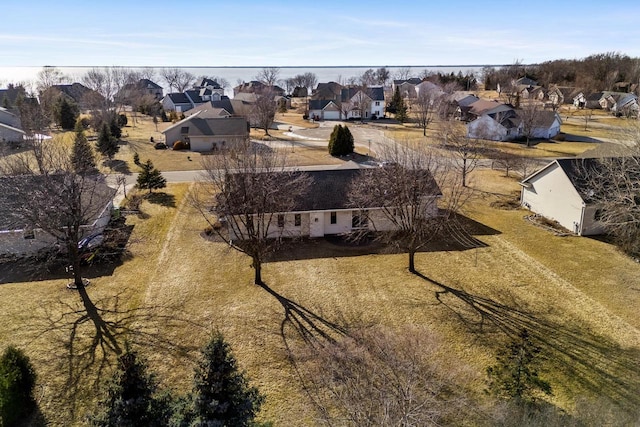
x: 328, y: 91
x: 9, y: 118
x: 207, y: 133
x: 10, y: 95
x: 10, y: 129
x: 17, y: 238
x: 459, y: 104
x: 482, y: 107
x: 235, y: 107
x: 212, y: 85
x: 525, y: 81
x: 406, y: 87
x: 358, y: 103
x: 326, y: 209
x: 426, y: 86
x: 143, y: 87
x: 499, y: 127
x: 623, y: 104
x: 556, y: 192
x: 178, y: 102
x: 580, y: 100
x: 324, y: 109
x: 255, y: 86
x: 592, y: 100
x: 546, y: 124
x: 80, y: 94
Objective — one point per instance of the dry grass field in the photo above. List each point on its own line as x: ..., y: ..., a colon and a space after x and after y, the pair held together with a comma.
x: 577, y: 296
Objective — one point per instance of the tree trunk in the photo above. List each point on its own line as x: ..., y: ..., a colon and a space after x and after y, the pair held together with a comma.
x: 74, y: 263
x: 424, y: 130
x: 412, y: 262
x: 464, y: 172
x: 257, y: 268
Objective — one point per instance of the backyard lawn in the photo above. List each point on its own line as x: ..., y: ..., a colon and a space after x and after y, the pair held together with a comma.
x: 577, y: 296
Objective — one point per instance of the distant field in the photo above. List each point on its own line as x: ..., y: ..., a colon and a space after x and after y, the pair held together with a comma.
x: 577, y: 296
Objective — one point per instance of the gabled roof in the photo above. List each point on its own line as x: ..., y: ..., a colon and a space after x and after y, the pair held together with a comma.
x: 320, y: 104
x: 375, y: 93
x: 249, y: 97
x: 330, y: 188
x: 201, y: 125
x: 575, y: 169
x: 467, y: 100
x: 330, y: 90
x: 2, y: 125
x: 194, y: 96
x: 76, y: 91
x: 179, y: 98
x: 526, y: 81
x: 206, y: 82
x: 412, y: 81
x: 482, y: 106
x: 148, y: 84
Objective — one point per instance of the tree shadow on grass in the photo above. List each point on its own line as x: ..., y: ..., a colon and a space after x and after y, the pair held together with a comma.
x: 308, y: 325
x: 584, y: 359
x: 84, y: 337
x: 162, y: 199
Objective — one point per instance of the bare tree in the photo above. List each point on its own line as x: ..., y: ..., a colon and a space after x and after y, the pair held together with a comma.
x: 382, y: 76
x: 49, y: 76
x: 184, y: 80
x: 425, y: 105
x: 530, y: 115
x: 368, y: 78
x: 380, y: 377
x: 466, y: 151
x: 170, y: 76
x: 264, y: 111
x: 588, y: 114
x: 269, y: 75
x: 403, y: 73
x: 247, y: 187
x: 104, y: 81
x: 362, y: 102
x: 408, y: 190
x: 44, y: 192
x: 148, y: 73
x: 613, y: 185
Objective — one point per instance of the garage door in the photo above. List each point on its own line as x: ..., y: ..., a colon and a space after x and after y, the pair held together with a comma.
x: 332, y: 115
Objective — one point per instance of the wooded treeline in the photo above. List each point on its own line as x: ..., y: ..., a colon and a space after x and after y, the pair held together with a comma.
x: 602, y: 71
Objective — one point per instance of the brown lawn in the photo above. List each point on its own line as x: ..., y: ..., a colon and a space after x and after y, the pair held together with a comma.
x: 578, y: 297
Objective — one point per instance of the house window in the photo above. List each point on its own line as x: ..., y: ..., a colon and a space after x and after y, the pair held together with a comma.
x: 377, y: 103
x: 334, y: 218
x: 360, y: 219
x: 297, y: 220
x: 184, y: 130
x: 280, y: 220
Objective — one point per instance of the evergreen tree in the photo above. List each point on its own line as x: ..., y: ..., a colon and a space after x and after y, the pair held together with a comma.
x: 82, y: 155
x: 17, y: 380
x: 131, y: 397
x: 107, y: 145
x: 115, y: 127
x: 221, y: 393
x: 401, y: 112
x: 150, y: 178
x: 341, y: 141
x: 515, y: 375
x: 66, y: 113
x: 136, y: 159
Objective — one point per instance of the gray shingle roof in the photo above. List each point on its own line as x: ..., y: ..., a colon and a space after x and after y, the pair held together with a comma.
x: 179, y: 98
x: 213, y: 126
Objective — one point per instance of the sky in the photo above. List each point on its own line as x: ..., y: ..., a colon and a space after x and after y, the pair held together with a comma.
x: 284, y: 33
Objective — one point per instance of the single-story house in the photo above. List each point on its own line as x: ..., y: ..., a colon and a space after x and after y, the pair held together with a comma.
x: 546, y: 124
x: 207, y: 133
x: 326, y: 209
x: 504, y: 126
x: 558, y: 193
x: 19, y: 238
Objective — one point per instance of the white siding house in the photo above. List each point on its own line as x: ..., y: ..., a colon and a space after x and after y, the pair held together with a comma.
x: 554, y: 192
x: 326, y: 211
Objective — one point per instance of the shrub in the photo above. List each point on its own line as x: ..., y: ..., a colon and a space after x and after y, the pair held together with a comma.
x: 179, y: 145
x: 17, y: 380
x: 122, y: 120
x: 305, y: 116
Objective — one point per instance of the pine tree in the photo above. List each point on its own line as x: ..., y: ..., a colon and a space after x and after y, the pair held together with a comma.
x: 82, y: 155
x: 150, y: 178
x: 341, y: 141
x: 17, y: 380
x: 107, y: 144
x: 115, y: 127
x: 221, y: 393
x: 131, y: 397
x: 515, y: 375
x: 66, y: 114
